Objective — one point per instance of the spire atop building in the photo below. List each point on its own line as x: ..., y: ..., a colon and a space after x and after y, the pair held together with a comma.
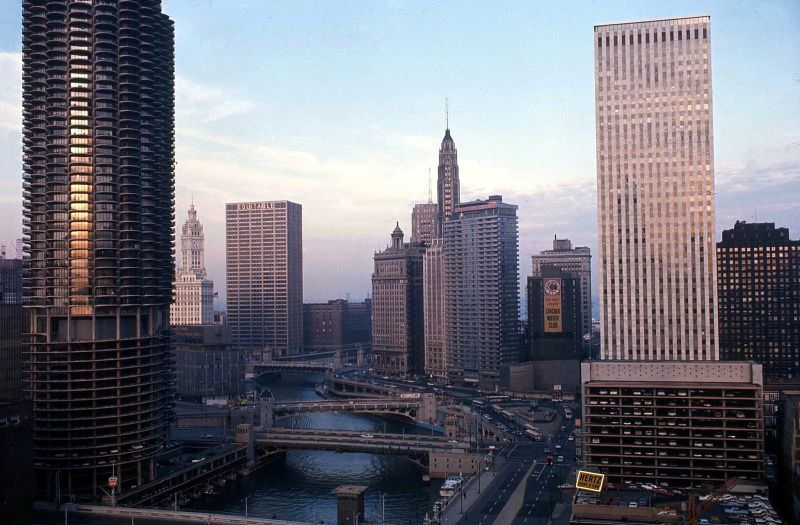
x: 447, y: 115
x: 194, y: 291
x: 430, y: 188
x: 447, y: 184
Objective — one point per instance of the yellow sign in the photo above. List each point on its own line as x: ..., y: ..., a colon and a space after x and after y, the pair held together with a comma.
x: 590, y: 481
x: 552, y: 306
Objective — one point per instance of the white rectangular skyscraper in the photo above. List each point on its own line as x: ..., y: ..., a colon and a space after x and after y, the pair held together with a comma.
x: 264, y: 274
x: 655, y: 178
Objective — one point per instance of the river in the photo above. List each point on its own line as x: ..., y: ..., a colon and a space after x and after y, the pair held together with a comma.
x: 301, y: 487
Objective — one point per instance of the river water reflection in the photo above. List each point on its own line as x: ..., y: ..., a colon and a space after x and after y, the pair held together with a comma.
x: 301, y: 487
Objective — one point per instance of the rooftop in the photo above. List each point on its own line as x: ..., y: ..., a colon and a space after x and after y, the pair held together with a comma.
x: 656, y: 505
x: 653, y: 22
x: 350, y: 490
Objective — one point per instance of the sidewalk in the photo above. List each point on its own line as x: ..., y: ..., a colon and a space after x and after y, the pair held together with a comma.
x: 452, y: 513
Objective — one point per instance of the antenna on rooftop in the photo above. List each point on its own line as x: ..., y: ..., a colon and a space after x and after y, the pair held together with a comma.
x: 447, y: 112
x: 430, y: 191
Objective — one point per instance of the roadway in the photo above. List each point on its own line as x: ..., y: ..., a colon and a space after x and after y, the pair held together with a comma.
x: 541, y: 488
x: 511, y: 466
x: 343, y: 441
x: 542, y: 492
x: 355, y: 405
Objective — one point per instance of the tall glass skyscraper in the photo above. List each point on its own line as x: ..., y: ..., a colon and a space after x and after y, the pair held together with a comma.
x: 98, y: 123
x: 655, y: 190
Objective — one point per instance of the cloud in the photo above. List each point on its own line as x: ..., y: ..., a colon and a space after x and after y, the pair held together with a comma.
x: 351, y: 199
x: 10, y: 91
x: 208, y: 103
x: 767, y: 190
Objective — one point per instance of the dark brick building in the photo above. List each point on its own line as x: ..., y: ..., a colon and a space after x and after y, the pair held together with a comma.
x: 554, y: 316
x: 208, y: 365
x: 337, y: 325
x: 758, y: 276
x: 12, y: 325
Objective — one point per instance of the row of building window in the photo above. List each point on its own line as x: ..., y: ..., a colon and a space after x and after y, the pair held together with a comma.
x: 622, y: 38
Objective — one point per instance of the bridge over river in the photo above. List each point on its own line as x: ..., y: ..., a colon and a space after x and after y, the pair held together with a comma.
x: 439, y: 455
x: 414, y: 409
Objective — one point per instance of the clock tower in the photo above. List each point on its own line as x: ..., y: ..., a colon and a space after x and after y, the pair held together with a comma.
x: 192, y: 245
x: 194, y: 291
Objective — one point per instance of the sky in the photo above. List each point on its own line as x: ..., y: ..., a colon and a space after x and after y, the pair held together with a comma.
x: 340, y: 106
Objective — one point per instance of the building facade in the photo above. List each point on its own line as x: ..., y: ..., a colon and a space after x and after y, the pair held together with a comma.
x: 423, y: 223
x: 789, y: 458
x: 686, y: 424
x: 481, y: 280
x: 13, y: 323
x: 758, y: 272
x: 577, y: 261
x: 655, y: 181
x: 98, y: 125
x: 554, y: 316
x: 194, y: 291
x: 448, y: 187
x: 264, y: 275
x: 397, y: 316
x: 435, y: 322
x: 208, y: 365
x: 337, y: 325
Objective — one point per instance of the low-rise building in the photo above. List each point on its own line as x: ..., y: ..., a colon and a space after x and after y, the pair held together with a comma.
x: 208, y: 365
x: 337, y: 325
x: 677, y: 423
x: 658, y: 506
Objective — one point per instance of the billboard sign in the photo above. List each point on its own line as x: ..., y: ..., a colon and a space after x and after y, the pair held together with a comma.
x: 592, y: 481
x: 552, y: 306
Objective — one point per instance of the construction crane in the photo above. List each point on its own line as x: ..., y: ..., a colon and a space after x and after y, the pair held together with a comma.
x: 695, y: 510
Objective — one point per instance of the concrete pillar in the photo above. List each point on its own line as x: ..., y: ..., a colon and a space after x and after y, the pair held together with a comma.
x: 427, y: 408
x: 244, y: 434
x: 267, y: 414
x: 451, y: 426
x: 350, y: 504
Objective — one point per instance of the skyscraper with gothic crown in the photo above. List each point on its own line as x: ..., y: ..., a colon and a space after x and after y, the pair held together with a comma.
x: 194, y: 292
x: 448, y: 187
